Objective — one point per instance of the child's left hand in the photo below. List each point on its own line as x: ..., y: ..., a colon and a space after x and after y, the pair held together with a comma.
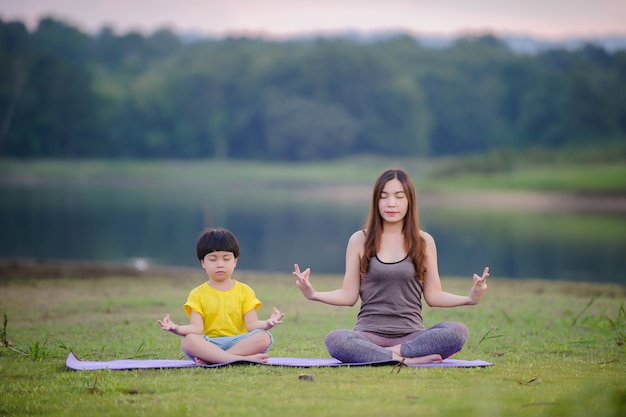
x: 276, y: 318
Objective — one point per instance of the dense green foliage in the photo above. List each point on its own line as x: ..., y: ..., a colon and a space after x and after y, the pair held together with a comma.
x: 64, y: 93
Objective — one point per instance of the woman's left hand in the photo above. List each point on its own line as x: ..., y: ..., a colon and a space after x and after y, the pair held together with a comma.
x: 479, y: 287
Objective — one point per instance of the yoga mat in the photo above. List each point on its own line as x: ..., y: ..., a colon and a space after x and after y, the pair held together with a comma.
x: 79, y: 365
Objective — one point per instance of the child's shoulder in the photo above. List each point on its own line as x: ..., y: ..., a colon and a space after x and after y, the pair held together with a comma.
x: 202, y: 287
x: 204, y: 284
x: 242, y: 285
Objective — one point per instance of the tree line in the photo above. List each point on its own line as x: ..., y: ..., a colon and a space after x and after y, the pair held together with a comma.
x: 65, y: 93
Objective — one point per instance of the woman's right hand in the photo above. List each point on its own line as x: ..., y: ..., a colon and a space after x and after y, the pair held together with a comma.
x: 302, y: 281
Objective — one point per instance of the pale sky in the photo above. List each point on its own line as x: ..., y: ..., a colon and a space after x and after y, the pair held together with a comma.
x: 551, y: 19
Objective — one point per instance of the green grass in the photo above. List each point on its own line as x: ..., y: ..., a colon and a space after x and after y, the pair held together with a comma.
x: 195, y: 171
x: 601, y: 178
x: 558, y: 350
x: 482, y: 172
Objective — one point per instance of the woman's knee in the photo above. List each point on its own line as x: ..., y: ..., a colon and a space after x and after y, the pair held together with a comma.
x: 454, y: 329
x: 337, y: 336
x: 461, y: 331
x: 458, y: 335
x: 335, y: 341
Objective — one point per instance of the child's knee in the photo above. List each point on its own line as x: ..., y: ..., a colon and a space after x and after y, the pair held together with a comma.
x: 267, y: 338
x: 188, y: 342
x: 263, y: 339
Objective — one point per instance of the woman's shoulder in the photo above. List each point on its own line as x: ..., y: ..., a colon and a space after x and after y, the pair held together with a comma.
x: 358, y: 236
x: 426, y: 236
x: 356, y: 242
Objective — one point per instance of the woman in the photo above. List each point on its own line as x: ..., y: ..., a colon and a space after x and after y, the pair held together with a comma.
x: 390, y: 265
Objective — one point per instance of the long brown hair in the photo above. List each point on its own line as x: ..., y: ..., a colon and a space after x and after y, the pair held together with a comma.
x: 413, y: 242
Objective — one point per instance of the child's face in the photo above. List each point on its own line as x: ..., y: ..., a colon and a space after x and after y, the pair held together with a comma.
x: 219, y: 265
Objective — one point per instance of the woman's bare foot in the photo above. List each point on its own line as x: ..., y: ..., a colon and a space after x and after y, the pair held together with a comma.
x: 395, y: 352
x: 423, y: 359
x: 259, y: 357
x: 434, y: 358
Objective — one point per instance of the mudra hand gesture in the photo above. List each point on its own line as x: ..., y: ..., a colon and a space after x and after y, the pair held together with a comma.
x: 479, y: 287
x: 303, y: 282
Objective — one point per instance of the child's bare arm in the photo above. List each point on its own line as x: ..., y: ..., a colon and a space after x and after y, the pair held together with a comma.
x: 195, y: 326
x: 252, y: 320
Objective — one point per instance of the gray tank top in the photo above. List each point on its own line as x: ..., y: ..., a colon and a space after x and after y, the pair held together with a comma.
x: 391, y: 299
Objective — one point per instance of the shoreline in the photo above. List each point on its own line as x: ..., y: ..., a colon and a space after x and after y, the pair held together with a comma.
x: 26, y: 269
x: 528, y: 200
x: 523, y: 200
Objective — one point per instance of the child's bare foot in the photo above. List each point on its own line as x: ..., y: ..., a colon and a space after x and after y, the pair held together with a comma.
x: 199, y: 361
x: 423, y: 359
x: 259, y: 357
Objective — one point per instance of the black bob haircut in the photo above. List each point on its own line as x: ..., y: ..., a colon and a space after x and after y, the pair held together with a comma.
x: 217, y: 240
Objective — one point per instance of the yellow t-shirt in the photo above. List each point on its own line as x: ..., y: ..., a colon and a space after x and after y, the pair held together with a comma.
x: 222, y: 311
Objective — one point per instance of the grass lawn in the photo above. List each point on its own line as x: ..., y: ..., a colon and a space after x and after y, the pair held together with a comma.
x: 558, y: 347
x: 558, y: 350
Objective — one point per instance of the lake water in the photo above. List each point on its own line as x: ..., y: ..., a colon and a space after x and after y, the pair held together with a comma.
x: 119, y: 224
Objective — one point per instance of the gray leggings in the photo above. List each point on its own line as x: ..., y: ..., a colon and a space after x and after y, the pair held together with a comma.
x: 349, y: 346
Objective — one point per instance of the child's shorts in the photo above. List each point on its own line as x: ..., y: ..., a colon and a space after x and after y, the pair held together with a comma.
x: 226, y: 342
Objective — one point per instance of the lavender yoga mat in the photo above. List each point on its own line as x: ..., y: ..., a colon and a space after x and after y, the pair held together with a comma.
x: 79, y: 365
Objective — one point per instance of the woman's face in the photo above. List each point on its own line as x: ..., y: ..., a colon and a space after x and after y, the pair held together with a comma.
x: 393, y: 202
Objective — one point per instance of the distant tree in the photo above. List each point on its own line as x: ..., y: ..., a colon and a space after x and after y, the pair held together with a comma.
x: 64, y: 93
x: 387, y: 105
x: 465, y: 92
x: 54, y: 105
x: 299, y: 129
x: 13, y: 75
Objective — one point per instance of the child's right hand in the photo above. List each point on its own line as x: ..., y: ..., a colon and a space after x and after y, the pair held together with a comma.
x: 167, y: 324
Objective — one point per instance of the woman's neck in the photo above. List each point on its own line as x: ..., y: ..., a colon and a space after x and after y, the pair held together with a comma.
x: 392, y: 228
x: 392, y: 246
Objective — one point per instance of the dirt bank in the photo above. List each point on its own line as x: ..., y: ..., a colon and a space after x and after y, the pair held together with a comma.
x: 24, y: 269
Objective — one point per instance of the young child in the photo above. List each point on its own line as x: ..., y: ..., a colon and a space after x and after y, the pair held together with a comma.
x: 223, y: 325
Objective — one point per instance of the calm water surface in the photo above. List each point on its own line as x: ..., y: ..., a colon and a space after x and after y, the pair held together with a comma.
x: 120, y: 224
